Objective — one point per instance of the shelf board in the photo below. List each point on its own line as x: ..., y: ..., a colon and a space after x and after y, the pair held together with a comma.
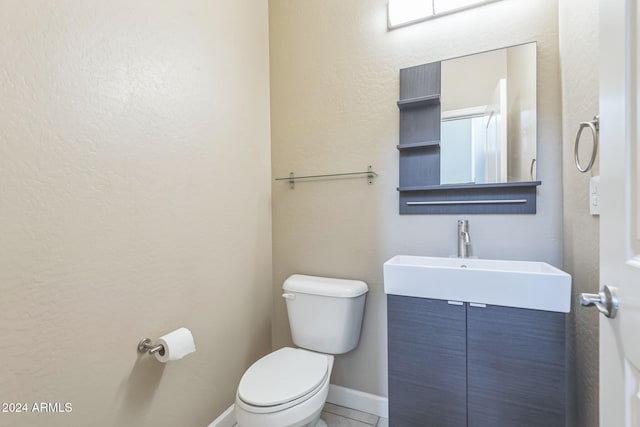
x: 444, y: 187
x: 422, y: 144
x: 419, y: 101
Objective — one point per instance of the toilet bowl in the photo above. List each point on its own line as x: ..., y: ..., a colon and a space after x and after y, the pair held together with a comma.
x: 289, y: 387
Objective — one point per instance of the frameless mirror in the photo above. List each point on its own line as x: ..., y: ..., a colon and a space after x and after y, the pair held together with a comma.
x: 488, y: 117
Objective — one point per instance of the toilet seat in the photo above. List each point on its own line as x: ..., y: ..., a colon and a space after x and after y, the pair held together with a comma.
x: 283, y: 379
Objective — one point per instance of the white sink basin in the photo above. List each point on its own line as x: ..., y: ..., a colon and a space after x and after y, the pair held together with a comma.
x: 523, y: 284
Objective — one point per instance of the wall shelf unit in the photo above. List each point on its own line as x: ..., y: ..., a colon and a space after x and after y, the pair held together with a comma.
x: 419, y: 106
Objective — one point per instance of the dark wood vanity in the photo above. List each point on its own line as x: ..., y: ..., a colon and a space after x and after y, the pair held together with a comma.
x: 457, y: 364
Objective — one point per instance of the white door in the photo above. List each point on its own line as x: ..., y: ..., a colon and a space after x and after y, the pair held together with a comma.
x: 620, y: 211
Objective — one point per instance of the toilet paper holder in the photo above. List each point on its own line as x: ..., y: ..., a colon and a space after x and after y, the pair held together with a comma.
x: 146, y: 345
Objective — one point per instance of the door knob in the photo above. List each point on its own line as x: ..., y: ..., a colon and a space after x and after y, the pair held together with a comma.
x: 605, y: 301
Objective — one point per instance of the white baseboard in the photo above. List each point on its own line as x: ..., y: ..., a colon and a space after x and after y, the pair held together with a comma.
x: 226, y: 419
x: 338, y: 395
x: 359, y: 400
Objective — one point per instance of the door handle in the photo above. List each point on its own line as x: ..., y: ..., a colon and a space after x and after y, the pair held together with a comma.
x: 605, y: 301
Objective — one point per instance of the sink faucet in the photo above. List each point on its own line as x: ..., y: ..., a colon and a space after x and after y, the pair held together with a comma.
x: 464, y: 240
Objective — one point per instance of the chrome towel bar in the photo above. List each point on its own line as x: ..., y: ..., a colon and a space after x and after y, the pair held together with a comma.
x: 467, y: 202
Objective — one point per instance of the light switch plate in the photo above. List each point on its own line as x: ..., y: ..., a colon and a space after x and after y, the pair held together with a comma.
x: 594, y: 195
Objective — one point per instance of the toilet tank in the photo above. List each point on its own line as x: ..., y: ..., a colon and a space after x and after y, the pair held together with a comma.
x: 325, y: 314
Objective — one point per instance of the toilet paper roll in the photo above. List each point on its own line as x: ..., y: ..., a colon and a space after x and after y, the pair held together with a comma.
x: 177, y: 344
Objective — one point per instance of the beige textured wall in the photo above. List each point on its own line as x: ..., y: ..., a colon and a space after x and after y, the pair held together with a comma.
x: 134, y: 199
x: 334, y: 87
x: 578, y: 22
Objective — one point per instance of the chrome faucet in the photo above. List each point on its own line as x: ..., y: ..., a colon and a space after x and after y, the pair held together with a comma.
x: 464, y: 240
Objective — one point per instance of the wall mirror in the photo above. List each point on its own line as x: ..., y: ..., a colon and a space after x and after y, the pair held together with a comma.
x: 488, y: 117
x: 468, y: 137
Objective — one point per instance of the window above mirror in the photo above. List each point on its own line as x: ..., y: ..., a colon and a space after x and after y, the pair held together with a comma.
x: 406, y: 12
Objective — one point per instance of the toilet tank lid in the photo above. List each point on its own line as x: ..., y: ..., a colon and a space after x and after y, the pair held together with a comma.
x: 326, y: 286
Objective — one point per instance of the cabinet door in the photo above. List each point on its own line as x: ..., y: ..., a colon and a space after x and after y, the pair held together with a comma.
x: 516, y: 367
x: 427, y: 363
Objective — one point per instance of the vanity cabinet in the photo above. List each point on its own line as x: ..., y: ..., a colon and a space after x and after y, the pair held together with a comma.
x: 453, y: 364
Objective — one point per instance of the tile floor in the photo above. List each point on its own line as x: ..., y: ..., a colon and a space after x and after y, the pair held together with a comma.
x: 339, y: 416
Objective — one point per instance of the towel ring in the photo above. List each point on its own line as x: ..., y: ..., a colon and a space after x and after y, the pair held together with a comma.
x: 594, y: 125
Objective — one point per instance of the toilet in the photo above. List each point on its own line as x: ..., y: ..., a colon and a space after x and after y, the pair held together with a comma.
x: 289, y: 387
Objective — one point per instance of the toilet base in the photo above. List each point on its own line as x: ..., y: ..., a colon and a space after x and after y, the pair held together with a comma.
x: 321, y: 423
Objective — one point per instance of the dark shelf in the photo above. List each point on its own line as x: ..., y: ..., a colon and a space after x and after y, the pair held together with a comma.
x: 497, y: 198
x: 419, y: 101
x: 422, y: 144
x: 444, y: 187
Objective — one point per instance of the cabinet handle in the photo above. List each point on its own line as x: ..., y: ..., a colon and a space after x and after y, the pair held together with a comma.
x: 477, y: 304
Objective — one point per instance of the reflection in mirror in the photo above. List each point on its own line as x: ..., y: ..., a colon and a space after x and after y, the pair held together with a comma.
x: 488, y: 119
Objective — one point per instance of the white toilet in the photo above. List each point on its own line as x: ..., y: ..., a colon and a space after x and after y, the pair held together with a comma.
x: 288, y: 388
